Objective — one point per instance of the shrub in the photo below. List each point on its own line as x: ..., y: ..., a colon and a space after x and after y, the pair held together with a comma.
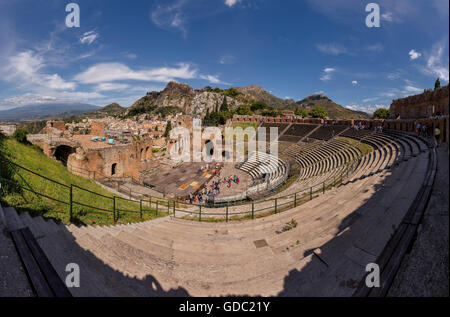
x: 381, y: 113
x: 21, y: 135
x: 243, y: 110
x: 318, y: 112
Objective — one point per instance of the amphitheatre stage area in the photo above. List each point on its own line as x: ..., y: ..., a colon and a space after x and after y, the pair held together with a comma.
x: 306, y: 223
x: 220, y: 156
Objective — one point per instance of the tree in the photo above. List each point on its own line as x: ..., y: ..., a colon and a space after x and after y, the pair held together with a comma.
x: 318, y: 112
x: 437, y: 84
x: 224, y: 106
x: 168, y: 129
x: 243, y: 110
x: 301, y: 112
x: 21, y: 135
x: 232, y: 92
x: 381, y: 113
x: 258, y: 105
x: 217, y: 106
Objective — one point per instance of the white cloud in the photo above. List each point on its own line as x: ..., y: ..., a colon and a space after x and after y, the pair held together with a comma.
x: 332, y: 49
x: 37, y: 99
x: 388, y: 16
x: 327, y: 73
x: 355, y: 83
x: 25, y: 69
x: 408, y: 89
x: 110, y: 72
x: 231, y: 3
x: 111, y: 86
x: 436, y: 65
x: 393, y: 76
x: 227, y: 59
x: 89, y: 37
x: 170, y: 17
x: 375, y: 48
x: 414, y: 55
x: 212, y: 79
x: 370, y: 109
x: 370, y: 99
x: 107, y: 73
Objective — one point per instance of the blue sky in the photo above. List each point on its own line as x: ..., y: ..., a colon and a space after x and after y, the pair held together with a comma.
x: 292, y: 48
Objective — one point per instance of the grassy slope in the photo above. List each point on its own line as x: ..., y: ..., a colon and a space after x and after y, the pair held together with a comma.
x: 34, y: 160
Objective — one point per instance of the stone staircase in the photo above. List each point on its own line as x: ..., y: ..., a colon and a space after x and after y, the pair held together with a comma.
x: 336, y: 235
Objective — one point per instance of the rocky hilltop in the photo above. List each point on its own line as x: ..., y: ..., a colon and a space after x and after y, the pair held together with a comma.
x: 334, y: 110
x: 254, y: 93
x: 178, y: 97
x: 183, y: 98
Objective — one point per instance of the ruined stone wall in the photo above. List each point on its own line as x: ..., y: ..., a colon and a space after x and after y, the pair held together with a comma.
x: 98, y: 128
x: 8, y: 129
x: 425, y: 105
x: 121, y: 161
x: 58, y: 125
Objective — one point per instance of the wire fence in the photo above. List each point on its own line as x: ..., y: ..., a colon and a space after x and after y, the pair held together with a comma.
x: 81, y: 202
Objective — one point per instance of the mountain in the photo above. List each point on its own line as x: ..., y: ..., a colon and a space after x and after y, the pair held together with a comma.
x: 109, y: 110
x: 253, y: 93
x: 176, y: 98
x: 45, y: 111
x: 334, y: 110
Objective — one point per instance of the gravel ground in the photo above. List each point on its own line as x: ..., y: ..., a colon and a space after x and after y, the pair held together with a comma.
x: 13, y: 280
x: 424, y: 271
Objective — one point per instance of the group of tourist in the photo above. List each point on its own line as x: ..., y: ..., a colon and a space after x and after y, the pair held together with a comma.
x: 422, y: 129
x: 214, y: 189
x: 359, y: 126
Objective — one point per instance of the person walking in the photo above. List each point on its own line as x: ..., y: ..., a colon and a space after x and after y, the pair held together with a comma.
x: 437, y: 134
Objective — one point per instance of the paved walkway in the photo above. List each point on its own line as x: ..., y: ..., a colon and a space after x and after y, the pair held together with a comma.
x: 13, y: 280
x: 424, y: 271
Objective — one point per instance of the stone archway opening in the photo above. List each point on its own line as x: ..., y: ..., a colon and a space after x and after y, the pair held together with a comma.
x: 63, y: 152
x: 209, y: 146
x: 114, y: 169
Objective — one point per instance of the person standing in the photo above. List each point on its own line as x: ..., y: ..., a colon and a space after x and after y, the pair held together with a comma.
x: 437, y: 134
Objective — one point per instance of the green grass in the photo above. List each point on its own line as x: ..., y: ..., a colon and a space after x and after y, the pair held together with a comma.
x: 23, y: 200
x: 364, y: 148
x: 245, y: 125
x: 294, y: 174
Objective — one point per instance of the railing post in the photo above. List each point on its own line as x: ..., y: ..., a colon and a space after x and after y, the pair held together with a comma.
x: 157, y: 204
x: 310, y: 194
x: 174, y: 209
x: 276, y: 205
x: 114, y: 209
x: 253, y: 210
x: 71, y: 202
x: 0, y: 180
x: 227, y: 213
x: 140, y: 208
x: 200, y: 214
x: 323, y: 187
x: 295, y: 200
